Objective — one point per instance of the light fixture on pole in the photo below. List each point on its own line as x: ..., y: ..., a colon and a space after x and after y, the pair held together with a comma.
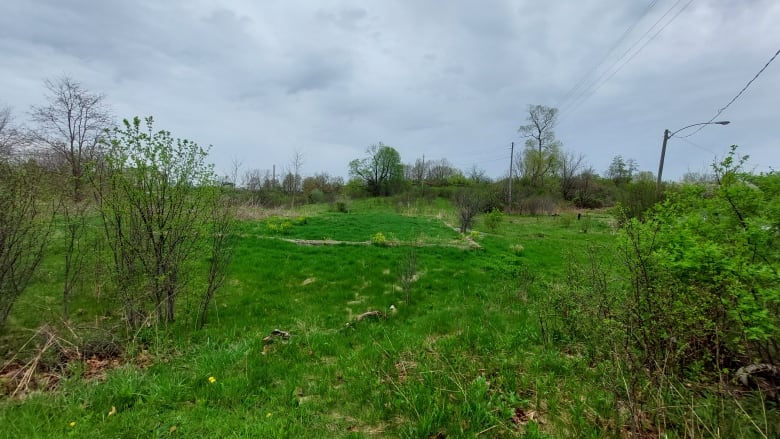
x: 668, y: 135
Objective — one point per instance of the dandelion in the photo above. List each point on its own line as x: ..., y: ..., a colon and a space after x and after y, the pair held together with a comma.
x: 72, y: 423
x: 268, y: 415
x: 212, y: 380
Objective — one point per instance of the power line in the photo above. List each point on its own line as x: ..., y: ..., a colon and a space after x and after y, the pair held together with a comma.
x: 623, y: 55
x: 599, y: 82
x: 617, y: 44
x: 698, y: 146
x: 738, y: 94
x: 653, y: 37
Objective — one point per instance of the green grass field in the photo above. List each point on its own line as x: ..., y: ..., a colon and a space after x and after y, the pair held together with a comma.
x: 466, y: 358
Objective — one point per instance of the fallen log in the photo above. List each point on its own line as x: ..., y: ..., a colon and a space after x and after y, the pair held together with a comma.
x: 367, y: 314
x: 276, y: 333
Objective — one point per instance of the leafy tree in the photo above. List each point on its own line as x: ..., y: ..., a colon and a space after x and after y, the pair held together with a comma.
x: 71, y: 125
x: 381, y: 171
x: 160, y: 202
x: 621, y: 171
x: 542, y: 155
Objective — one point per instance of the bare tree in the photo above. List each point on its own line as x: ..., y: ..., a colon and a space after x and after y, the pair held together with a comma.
x: 586, y: 188
x: 439, y: 171
x: 469, y: 201
x: 416, y: 173
x: 252, y: 179
x: 478, y: 175
x: 71, y: 124
x: 10, y: 136
x: 570, y: 166
x: 235, y: 169
x: 296, y: 163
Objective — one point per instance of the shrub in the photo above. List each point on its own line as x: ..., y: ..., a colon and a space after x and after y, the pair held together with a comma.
x: 159, y: 201
x: 316, y: 196
x: 23, y: 232
x: 469, y: 202
x: 378, y: 238
x: 695, y: 292
x: 342, y: 204
x: 494, y: 219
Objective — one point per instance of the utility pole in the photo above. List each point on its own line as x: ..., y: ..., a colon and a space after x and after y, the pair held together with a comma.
x: 273, y: 181
x: 667, y: 135
x: 511, y: 160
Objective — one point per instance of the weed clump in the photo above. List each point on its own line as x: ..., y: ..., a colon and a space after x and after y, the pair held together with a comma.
x: 279, y: 226
x: 379, y: 239
x: 342, y: 205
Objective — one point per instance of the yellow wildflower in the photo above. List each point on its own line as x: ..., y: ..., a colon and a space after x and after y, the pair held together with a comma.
x: 212, y: 380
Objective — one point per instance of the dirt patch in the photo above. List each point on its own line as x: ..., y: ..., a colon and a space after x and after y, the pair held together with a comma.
x: 465, y: 244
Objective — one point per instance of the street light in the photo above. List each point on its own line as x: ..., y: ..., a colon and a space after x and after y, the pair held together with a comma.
x: 668, y: 135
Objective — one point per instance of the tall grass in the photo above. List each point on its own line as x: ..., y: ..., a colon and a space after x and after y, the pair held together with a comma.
x: 469, y: 357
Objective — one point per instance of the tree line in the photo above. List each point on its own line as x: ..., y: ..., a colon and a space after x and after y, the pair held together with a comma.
x: 159, y: 201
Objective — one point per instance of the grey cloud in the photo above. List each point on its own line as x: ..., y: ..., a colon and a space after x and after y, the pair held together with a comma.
x: 260, y: 79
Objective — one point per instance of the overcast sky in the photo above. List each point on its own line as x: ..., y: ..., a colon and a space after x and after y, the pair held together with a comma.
x: 452, y: 79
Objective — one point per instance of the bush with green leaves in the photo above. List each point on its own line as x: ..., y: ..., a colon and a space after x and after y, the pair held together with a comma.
x: 379, y: 239
x: 160, y: 205
x: 692, y: 293
x: 493, y: 219
x: 316, y: 196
